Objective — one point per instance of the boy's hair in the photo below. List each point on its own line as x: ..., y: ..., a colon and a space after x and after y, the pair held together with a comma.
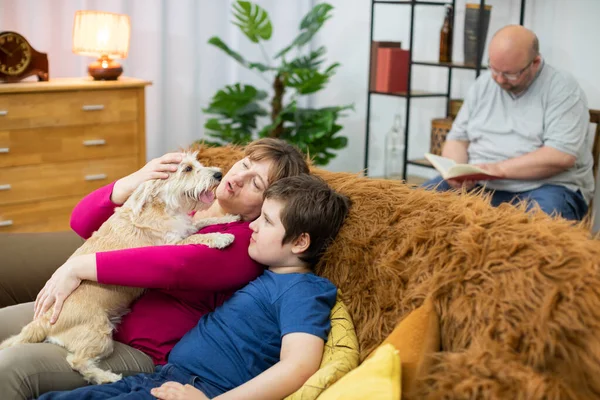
x: 310, y: 206
x: 287, y: 159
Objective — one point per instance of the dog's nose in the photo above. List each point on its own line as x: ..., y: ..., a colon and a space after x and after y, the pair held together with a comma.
x: 218, y: 176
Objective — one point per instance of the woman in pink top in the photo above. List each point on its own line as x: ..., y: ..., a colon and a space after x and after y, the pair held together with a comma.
x: 183, y: 282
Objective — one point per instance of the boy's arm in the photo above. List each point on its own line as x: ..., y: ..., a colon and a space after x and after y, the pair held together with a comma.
x: 300, y: 358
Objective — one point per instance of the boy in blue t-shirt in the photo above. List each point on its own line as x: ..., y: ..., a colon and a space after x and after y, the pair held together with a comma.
x: 268, y: 338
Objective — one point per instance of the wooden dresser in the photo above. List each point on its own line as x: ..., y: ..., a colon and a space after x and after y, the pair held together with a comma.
x: 60, y: 140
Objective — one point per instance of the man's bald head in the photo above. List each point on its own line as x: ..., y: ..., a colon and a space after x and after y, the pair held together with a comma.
x: 514, y: 42
x: 514, y: 58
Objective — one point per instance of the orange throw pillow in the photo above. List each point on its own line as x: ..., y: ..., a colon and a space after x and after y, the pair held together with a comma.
x: 416, y: 337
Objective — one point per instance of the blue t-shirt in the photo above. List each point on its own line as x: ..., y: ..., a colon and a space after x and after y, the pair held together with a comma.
x: 242, y: 338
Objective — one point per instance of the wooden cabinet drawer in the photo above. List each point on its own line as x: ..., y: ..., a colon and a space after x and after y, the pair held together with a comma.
x: 47, y: 181
x: 35, y: 146
x: 38, y: 216
x: 32, y: 110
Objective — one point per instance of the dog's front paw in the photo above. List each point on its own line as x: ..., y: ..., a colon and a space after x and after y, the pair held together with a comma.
x: 213, y: 240
x: 106, y: 377
x: 199, y: 224
x: 222, y: 240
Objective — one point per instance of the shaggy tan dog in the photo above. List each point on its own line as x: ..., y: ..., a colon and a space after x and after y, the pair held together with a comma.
x: 517, y: 294
x: 157, y: 213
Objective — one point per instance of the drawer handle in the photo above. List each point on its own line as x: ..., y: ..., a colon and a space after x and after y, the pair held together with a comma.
x: 4, y: 149
x: 5, y: 187
x: 93, y: 107
x: 7, y: 222
x: 95, y: 177
x: 3, y: 113
x: 95, y: 142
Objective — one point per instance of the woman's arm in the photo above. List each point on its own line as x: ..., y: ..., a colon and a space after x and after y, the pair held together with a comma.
x: 157, y: 168
x: 63, y: 282
x: 95, y: 208
x: 188, y: 267
x: 92, y: 211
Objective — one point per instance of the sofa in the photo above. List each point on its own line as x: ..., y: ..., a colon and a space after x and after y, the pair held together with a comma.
x: 516, y: 295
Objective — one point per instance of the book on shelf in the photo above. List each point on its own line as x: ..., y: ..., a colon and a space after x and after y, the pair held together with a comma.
x: 375, y: 45
x: 392, y: 70
x: 449, y: 169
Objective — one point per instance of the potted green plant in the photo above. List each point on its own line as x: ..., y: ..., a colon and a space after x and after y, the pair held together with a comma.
x: 235, y: 109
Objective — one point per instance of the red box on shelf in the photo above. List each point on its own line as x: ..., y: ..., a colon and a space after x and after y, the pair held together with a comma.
x: 392, y: 70
x: 375, y: 46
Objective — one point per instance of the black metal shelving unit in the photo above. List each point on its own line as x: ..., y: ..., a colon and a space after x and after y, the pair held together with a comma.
x: 422, y: 94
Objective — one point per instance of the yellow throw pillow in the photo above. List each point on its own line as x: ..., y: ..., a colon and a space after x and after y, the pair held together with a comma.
x: 416, y: 337
x: 340, y: 355
x: 378, y: 378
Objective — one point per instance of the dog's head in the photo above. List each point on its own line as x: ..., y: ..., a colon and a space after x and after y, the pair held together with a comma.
x: 189, y: 188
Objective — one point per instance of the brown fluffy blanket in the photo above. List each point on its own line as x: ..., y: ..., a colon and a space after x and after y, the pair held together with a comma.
x: 518, y: 294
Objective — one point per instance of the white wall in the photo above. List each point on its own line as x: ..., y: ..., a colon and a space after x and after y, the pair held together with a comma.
x: 169, y: 47
x: 568, y: 31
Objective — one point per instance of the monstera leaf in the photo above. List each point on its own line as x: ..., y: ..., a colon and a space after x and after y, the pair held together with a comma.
x: 312, y: 130
x: 238, y: 109
x: 253, y: 20
x: 235, y: 110
x: 311, y: 23
x: 311, y: 61
x: 216, y: 41
x: 307, y: 81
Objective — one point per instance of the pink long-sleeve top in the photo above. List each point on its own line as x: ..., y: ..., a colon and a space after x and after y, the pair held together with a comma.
x: 184, y: 282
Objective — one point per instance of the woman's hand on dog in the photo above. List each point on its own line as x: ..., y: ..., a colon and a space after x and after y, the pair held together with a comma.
x: 157, y: 168
x: 63, y: 282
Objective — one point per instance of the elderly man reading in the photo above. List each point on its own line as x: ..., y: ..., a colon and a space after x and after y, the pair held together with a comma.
x: 526, y: 122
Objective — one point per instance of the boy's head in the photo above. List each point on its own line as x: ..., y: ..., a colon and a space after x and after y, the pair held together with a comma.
x: 300, y: 217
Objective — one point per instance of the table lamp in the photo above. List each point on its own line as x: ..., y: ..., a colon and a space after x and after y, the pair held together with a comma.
x: 104, y: 35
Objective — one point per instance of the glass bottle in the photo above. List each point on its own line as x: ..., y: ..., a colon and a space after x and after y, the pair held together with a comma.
x: 394, y: 150
x: 446, y: 35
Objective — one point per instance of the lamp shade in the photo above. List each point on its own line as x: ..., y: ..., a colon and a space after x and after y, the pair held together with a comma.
x: 99, y: 33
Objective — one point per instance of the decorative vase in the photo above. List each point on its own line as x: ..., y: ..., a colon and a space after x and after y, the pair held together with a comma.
x: 394, y: 150
x: 472, y: 14
x: 439, y: 129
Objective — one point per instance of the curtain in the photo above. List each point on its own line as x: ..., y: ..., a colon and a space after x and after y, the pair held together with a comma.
x: 168, y: 47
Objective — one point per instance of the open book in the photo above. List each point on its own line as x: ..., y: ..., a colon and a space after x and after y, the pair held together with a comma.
x: 449, y: 169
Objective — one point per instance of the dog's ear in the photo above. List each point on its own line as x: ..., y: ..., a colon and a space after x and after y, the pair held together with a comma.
x: 142, y: 195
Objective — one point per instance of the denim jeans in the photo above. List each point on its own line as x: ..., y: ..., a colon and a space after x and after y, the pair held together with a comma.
x: 134, y: 387
x: 551, y: 198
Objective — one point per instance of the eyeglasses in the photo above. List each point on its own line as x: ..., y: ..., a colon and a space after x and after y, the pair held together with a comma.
x: 509, y: 77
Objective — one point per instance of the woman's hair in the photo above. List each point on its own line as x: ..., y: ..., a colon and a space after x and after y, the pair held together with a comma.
x: 287, y: 159
x: 310, y: 206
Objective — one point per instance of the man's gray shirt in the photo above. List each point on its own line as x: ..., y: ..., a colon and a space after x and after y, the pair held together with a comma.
x: 551, y: 112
